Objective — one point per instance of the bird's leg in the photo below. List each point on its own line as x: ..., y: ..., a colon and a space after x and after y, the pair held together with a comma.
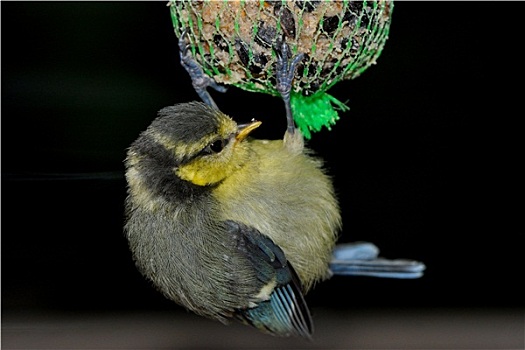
x: 199, y: 79
x: 285, y: 71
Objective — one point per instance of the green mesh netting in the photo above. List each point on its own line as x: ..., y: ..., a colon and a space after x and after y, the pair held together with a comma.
x: 233, y: 42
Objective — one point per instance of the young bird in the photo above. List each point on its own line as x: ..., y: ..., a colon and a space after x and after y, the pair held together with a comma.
x: 219, y: 221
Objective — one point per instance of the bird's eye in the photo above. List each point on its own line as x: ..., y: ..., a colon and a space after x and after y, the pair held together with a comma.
x: 218, y: 145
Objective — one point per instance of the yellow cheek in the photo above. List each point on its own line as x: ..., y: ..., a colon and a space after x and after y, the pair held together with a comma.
x: 200, y: 176
x: 214, y: 169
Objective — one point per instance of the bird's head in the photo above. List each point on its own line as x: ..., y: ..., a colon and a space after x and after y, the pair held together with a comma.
x: 188, y: 144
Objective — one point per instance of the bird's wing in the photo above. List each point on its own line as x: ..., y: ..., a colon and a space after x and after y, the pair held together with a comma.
x: 361, y: 259
x: 285, y: 312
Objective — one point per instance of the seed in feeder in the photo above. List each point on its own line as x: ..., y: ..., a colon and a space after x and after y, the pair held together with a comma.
x: 286, y: 20
x: 265, y: 35
x: 307, y: 6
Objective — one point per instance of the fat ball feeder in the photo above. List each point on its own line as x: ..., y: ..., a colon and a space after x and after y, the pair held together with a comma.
x: 243, y: 43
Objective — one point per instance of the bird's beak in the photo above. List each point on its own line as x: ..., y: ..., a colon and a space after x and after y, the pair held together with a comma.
x: 245, y: 129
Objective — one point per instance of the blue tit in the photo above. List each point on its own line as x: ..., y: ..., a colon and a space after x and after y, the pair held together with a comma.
x: 237, y: 228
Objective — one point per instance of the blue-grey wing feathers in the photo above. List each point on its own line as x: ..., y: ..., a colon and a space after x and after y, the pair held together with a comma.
x: 285, y: 313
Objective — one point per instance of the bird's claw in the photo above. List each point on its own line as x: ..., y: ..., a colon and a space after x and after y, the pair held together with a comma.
x: 199, y: 79
x: 286, y: 69
x: 285, y: 72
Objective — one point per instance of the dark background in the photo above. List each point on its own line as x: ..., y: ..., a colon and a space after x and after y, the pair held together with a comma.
x: 425, y: 162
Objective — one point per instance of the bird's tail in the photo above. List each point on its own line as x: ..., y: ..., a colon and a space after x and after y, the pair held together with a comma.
x: 362, y: 259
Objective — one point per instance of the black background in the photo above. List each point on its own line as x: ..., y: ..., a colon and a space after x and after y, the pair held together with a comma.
x: 425, y: 162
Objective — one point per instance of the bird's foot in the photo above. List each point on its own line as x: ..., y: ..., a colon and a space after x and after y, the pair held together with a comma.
x: 285, y: 72
x: 199, y: 79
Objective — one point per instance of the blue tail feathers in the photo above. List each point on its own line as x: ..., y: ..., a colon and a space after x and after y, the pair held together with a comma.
x: 362, y: 259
